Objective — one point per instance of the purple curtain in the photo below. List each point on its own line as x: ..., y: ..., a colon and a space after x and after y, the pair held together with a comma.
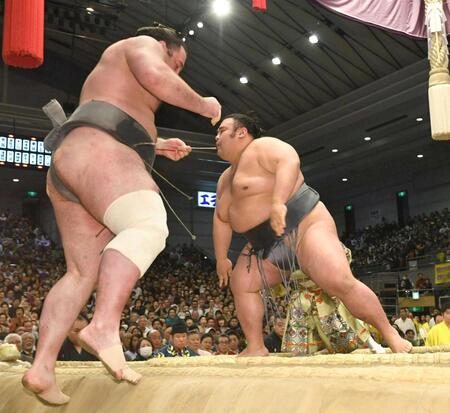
x: 404, y: 16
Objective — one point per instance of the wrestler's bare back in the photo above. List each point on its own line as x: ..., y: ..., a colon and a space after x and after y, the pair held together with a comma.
x: 88, y: 155
x: 245, y: 192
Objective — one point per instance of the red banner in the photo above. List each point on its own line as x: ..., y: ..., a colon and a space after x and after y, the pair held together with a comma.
x: 259, y: 5
x: 23, y: 33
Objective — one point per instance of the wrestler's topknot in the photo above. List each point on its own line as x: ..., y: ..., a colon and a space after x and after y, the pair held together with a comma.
x: 248, y: 120
x: 160, y: 32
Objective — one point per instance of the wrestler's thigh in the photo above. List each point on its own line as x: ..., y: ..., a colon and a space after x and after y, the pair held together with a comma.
x: 103, y: 174
x: 83, y: 237
x: 322, y: 257
x: 244, y: 279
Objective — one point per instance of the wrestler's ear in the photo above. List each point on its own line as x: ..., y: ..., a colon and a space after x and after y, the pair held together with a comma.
x: 242, y: 131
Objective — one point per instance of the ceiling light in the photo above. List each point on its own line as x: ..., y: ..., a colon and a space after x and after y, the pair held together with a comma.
x: 90, y: 9
x: 335, y: 150
x: 221, y: 7
x: 419, y: 119
x: 243, y: 80
x: 200, y: 25
x: 344, y: 179
x: 184, y: 39
x: 10, y: 135
x: 16, y: 180
x: 367, y: 138
x: 191, y: 32
x: 313, y: 39
x: 276, y: 60
x: 420, y: 155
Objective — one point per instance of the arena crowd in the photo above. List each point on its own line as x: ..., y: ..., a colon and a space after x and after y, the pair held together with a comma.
x: 177, y: 308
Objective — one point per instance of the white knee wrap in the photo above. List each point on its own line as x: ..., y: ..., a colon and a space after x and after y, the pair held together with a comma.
x: 139, y: 221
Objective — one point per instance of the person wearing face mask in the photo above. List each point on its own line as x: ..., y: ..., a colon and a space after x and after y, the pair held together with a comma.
x: 145, y: 350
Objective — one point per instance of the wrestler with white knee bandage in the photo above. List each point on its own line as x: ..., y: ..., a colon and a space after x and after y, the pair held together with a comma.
x: 102, y: 156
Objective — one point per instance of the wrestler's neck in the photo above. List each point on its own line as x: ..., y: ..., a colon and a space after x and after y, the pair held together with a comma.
x: 234, y: 161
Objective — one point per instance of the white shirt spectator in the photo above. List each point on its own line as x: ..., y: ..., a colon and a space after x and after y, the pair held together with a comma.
x: 406, y: 325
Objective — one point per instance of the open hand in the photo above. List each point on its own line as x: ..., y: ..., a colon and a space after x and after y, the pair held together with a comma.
x: 224, y: 268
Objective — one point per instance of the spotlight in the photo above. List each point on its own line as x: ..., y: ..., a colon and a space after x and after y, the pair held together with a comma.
x: 420, y: 155
x: 89, y: 9
x: 221, y: 7
x: 335, y: 150
x: 313, y: 39
x: 191, y: 32
x: 367, y: 138
x: 344, y: 179
x: 11, y: 135
x: 243, y: 80
x: 276, y: 60
x: 419, y: 119
x: 16, y: 180
x: 200, y: 25
x: 184, y: 39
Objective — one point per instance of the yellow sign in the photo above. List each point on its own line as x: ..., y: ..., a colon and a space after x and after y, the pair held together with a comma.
x: 442, y: 273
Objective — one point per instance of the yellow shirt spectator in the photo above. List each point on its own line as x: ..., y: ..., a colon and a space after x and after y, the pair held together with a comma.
x: 439, y: 335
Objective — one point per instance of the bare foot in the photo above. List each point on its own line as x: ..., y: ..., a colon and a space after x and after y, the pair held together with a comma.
x: 257, y: 352
x: 398, y: 344
x: 43, y: 385
x: 108, y: 349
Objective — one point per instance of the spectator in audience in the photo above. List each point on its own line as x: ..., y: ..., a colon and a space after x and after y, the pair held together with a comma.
x: 233, y: 342
x: 405, y: 285
x: 195, y: 307
x: 434, y: 315
x: 71, y: 349
x: 142, y: 325
x: 233, y: 325
x: 157, y: 325
x: 420, y: 283
x: 135, y: 331
x: 193, y: 339
x: 439, y: 335
x: 28, y: 346
x: 202, y: 322
x: 15, y: 339
x: 145, y: 350
x: 155, y: 340
x: 138, y: 308
x: 273, y: 341
x: 206, y: 343
x: 410, y: 336
x: 222, y: 346
x: 133, y: 351
x: 404, y: 323
x: 17, y: 319
x: 172, y: 317
x: 177, y: 346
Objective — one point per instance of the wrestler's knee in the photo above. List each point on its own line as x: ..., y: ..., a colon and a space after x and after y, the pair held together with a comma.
x: 341, y: 284
x: 139, y: 221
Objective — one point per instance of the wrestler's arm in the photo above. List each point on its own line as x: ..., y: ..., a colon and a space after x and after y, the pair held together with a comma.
x: 282, y: 160
x: 146, y: 62
x: 222, y: 234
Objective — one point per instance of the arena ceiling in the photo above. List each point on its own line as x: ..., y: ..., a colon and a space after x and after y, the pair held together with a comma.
x: 357, y: 81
